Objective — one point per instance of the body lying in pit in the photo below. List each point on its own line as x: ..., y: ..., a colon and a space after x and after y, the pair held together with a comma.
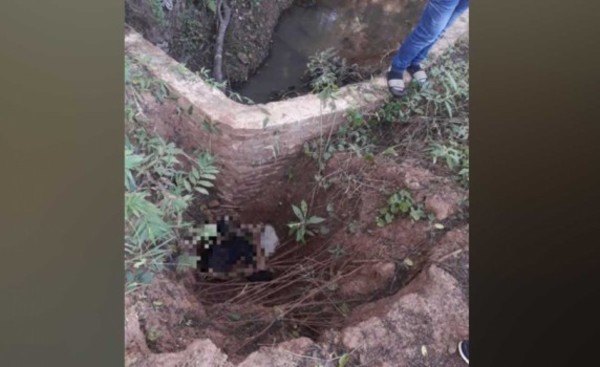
x: 237, y: 251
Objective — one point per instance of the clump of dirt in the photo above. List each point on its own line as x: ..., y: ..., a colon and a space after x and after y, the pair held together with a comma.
x: 187, y: 32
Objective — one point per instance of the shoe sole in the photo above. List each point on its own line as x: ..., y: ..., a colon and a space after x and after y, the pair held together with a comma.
x: 395, y: 94
x: 461, y: 353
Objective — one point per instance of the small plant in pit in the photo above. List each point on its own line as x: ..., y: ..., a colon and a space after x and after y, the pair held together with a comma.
x: 303, y: 226
x: 400, y: 203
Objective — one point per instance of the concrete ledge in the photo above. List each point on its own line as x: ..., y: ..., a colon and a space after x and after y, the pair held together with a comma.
x: 253, y: 143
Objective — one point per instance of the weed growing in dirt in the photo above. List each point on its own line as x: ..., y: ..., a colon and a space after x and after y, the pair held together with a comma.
x: 456, y: 157
x: 400, y: 202
x: 301, y: 228
x: 355, y: 136
x: 445, y: 96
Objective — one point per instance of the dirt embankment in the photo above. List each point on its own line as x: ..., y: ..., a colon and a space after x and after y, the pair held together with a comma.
x: 407, y: 293
x: 187, y: 32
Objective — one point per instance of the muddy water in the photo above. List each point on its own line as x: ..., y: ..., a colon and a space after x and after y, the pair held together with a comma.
x: 362, y: 31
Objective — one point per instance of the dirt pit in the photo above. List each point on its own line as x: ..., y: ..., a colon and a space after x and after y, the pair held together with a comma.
x: 350, y: 272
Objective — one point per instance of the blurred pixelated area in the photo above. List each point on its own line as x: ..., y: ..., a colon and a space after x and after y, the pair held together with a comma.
x: 227, y: 248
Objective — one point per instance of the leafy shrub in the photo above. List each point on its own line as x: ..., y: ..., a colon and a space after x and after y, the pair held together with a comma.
x: 160, y: 183
x: 400, y: 202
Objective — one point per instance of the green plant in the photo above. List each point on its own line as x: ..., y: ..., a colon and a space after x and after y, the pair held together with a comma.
x: 204, y: 74
x: 137, y: 83
x: 157, y: 192
x: 158, y: 12
x: 456, y: 157
x: 153, y: 335
x: 212, y: 5
x: 327, y: 72
x: 354, y: 136
x: 160, y: 183
x: 337, y: 251
x: 445, y: 95
x: 344, y: 359
x: 301, y: 227
x: 401, y: 202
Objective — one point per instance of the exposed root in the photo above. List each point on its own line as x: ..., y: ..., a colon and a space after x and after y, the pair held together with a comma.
x: 223, y: 19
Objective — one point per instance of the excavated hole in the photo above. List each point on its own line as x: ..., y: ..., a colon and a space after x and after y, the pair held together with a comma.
x: 303, y: 299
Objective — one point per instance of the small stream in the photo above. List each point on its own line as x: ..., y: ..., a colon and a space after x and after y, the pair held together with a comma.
x: 365, y: 32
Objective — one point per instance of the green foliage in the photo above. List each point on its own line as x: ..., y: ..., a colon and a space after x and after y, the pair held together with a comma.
x: 137, y: 83
x: 212, y: 5
x: 160, y: 181
x: 446, y: 94
x: 400, y: 202
x: 204, y: 73
x: 354, y: 136
x: 327, y: 72
x: 337, y: 251
x: 157, y: 192
x: 158, y: 13
x: 344, y: 360
x: 456, y: 157
x: 301, y: 227
x: 192, y: 33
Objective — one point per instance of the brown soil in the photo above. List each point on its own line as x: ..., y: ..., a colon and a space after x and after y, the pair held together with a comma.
x: 391, y: 292
x: 240, y: 317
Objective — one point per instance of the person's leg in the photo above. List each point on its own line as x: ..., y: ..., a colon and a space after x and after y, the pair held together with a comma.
x: 433, y: 21
x: 462, y: 6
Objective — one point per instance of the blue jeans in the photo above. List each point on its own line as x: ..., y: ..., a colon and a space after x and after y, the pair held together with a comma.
x: 437, y: 16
